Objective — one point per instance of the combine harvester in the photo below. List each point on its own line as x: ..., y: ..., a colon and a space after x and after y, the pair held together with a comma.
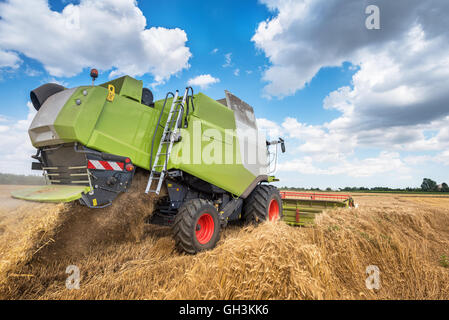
x: 207, y: 153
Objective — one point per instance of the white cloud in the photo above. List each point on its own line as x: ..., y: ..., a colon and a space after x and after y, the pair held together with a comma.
x: 319, y: 151
x: 214, y: 51
x: 315, y: 141
x: 305, y: 36
x: 9, y: 59
x: 203, y: 81
x: 271, y: 129
x: 237, y: 72
x: 32, y: 72
x: 109, y: 34
x: 417, y: 160
x: 228, y: 60
x: 398, y: 94
x: 442, y: 158
x: 15, y: 144
x: 385, y: 162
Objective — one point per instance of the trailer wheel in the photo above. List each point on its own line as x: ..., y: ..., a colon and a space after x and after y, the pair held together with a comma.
x: 196, y: 227
x: 263, y: 204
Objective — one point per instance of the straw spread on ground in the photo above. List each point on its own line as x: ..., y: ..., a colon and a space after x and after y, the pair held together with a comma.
x: 121, y: 258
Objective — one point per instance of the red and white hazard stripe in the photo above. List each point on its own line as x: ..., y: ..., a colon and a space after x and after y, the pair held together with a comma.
x: 105, y: 165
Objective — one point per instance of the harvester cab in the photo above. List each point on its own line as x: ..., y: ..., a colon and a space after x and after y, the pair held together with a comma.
x: 209, y: 154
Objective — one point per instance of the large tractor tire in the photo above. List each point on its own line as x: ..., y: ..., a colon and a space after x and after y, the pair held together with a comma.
x: 196, y: 227
x: 263, y: 204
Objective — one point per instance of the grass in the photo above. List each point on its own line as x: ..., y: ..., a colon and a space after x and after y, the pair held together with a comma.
x: 121, y: 260
x: 444, y: 261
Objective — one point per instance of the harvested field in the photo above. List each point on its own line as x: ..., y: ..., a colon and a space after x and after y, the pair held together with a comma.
x: 120, y: 258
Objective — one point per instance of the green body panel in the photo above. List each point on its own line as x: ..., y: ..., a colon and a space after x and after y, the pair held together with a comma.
x: 224, y: 169
x: 302, y: 212
x: 76, y: 122
x: 213, y: 113
x: 125, y: 127
x: 122, y: 127
x: 51, y: 193
x: 126, y: 87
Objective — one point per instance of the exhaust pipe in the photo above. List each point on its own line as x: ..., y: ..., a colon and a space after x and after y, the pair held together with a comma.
x: 39, y: 95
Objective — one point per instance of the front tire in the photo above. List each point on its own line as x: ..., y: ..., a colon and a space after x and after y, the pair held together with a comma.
x: 196, y: 227
x: 263, y: 204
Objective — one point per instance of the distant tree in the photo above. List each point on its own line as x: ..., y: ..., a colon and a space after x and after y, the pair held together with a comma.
x: 444, y: 187
x: 428, y: 185
x: 328, y: 189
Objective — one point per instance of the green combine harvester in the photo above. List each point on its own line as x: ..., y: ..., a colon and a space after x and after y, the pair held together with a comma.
x: 209, y: 154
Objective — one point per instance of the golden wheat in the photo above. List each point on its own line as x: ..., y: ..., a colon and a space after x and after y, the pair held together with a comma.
x: 120, y: 259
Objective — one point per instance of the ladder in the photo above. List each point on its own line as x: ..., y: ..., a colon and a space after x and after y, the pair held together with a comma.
x: 168, y: 138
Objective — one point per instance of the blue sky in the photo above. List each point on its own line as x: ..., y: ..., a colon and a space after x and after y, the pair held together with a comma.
x: 348, y: 100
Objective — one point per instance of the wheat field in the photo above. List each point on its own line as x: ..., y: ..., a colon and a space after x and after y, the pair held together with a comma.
x: 119, y: 257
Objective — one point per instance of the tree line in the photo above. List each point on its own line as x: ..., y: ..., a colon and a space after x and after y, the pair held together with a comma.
x: 428, y: 185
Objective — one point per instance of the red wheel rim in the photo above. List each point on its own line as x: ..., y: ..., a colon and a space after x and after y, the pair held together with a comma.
x: 273, y: 210
x: 205, y: 228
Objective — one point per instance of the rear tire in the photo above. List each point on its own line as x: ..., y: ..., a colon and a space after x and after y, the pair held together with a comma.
x: 263, y: 204
x: 196, y: 227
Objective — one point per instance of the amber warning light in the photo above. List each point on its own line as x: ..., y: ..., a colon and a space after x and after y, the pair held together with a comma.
x: 94, y: 75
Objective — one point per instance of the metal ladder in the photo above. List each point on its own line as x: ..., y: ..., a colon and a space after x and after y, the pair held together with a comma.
x: 168, y: 138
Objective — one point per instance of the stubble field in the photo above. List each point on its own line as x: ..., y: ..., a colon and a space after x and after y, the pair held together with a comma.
x: 405, y: 236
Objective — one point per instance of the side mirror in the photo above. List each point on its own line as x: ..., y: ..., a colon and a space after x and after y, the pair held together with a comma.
x: 282, y: 145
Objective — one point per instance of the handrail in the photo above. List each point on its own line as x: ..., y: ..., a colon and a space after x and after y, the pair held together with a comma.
x: 188, y: 105
x: 178, y: 108
x: 157, y: 127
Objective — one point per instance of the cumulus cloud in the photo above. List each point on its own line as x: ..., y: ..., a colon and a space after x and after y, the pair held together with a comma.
x: 15, y: 144
x: 442, y: 158
x: 315, y: 141
x: 317, y: 150
x: 271, y: 129
x: 203, y: 81
x: 109, y: 34
x: 9, y: 59
x: 307, y: 35
x: 32, y: 72
x: 358, y: 168
x: 398, y: 97
x: 400, y: 88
